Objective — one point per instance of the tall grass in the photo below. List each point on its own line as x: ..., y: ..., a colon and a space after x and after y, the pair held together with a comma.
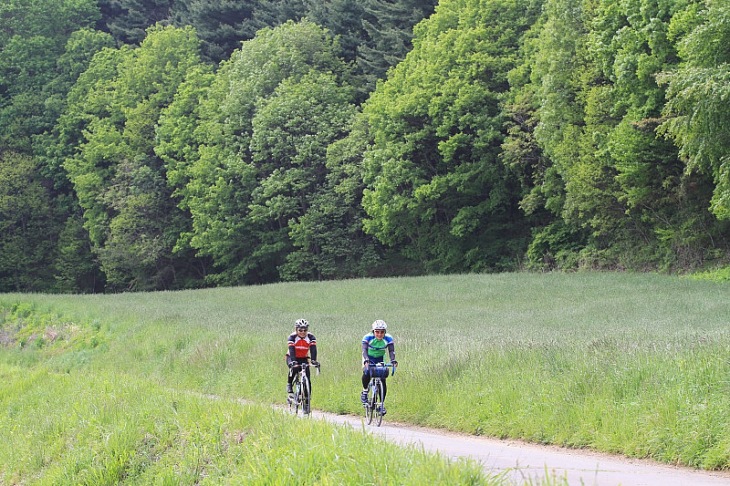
x: 633, y: 364
x: 111, y: 428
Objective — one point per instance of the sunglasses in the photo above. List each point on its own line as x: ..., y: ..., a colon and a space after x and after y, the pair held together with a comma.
x: 302, y: 329
x: 379, y: 330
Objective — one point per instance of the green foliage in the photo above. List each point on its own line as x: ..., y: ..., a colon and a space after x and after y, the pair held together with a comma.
x: 698, y: 96
x: 260, y: 157
x: 434, y: 183
x: 388, y: 26
x: 121, y: 184
x: 53, y: 147
x: 128, y: 20
x: 33, y: 37
x: 291, y: 132
x: 28, y: 226
x: 221, y: 25
x: 555, y: 246
x: 328, y: 238
x: 598, y: 120
x: 75, y: 269
x: 718, y: 275
x: 344, y: 19
x: 495, y: 123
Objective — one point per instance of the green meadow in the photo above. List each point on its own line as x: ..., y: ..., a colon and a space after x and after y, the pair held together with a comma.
x: 176, y: 387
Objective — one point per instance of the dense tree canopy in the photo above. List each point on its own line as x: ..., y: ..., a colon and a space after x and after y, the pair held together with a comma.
x: 32, y: 38
x: 434, y: 178
x: 188, y: 143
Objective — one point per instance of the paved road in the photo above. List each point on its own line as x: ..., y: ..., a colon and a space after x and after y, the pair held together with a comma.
x: 527, y: 462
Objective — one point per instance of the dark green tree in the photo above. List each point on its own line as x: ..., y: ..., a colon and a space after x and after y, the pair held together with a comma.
x: 291, y: 132
x: 388, y: 26
x: 43, y: 49
x: 27, y: 226
x: 329, y: 238
x: 33, y: 37
x: 51, y: 146
x: 272, y: 13
x: 128, y: 20
x: 76, y: 269
x: 344, y: 19
x: 178, y: 137
x: 599, y: 106
x: 553, y: 243
x: 221, y: 25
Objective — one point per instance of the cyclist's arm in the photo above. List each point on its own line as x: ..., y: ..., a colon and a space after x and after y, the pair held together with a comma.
x: 313, y: 352
x: 365, y: 352
x: 391, y: 351
x: 291, y: 354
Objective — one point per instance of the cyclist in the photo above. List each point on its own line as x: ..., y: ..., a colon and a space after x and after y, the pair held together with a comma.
x: 301, y: 345
x: 374, y: 345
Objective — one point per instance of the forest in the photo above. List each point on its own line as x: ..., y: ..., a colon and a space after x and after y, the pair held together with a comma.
x: 175, y: 144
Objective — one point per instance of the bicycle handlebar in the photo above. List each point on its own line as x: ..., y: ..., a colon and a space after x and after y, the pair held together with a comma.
x: 383, y: 365
x: 305, y: 365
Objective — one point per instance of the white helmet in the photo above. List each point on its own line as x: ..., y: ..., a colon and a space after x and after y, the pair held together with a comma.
x: 301, y: 324
x: 379, y: 325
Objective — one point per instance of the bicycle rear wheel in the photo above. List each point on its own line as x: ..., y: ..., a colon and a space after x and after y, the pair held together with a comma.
x: 378, y: 403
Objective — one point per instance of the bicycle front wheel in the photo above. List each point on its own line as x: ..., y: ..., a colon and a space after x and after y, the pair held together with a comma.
x: 370, y: 403
x: 297, y: 400
x: 378, y: 402
x: 306, y: 395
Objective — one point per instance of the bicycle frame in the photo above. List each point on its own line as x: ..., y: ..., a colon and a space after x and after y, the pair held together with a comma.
x: 374, y: 403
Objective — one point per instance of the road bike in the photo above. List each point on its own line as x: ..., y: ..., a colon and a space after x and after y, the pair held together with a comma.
x: 374, y: 402
x: 301, y: 397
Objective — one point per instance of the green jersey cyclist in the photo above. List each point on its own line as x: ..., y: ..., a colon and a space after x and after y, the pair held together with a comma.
x: 374, y: 346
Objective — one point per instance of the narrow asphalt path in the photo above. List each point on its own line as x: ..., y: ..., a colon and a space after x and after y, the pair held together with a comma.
x: 524, y: 462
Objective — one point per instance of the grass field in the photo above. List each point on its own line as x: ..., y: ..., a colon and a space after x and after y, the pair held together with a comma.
x: 626, y: 363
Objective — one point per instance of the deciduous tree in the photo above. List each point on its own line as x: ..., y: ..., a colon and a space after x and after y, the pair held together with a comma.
x: 434, y: 180
x: 225, y: 175
x: 129, y: 212
x: 698, y: 92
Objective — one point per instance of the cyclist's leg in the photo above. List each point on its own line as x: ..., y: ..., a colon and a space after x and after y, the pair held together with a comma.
x: 289, y: 380
x: 385, y: 387
x: 365, y: 382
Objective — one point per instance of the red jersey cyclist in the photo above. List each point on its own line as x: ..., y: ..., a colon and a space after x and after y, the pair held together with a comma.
x: 301, y: 345
x: 374, y: 346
